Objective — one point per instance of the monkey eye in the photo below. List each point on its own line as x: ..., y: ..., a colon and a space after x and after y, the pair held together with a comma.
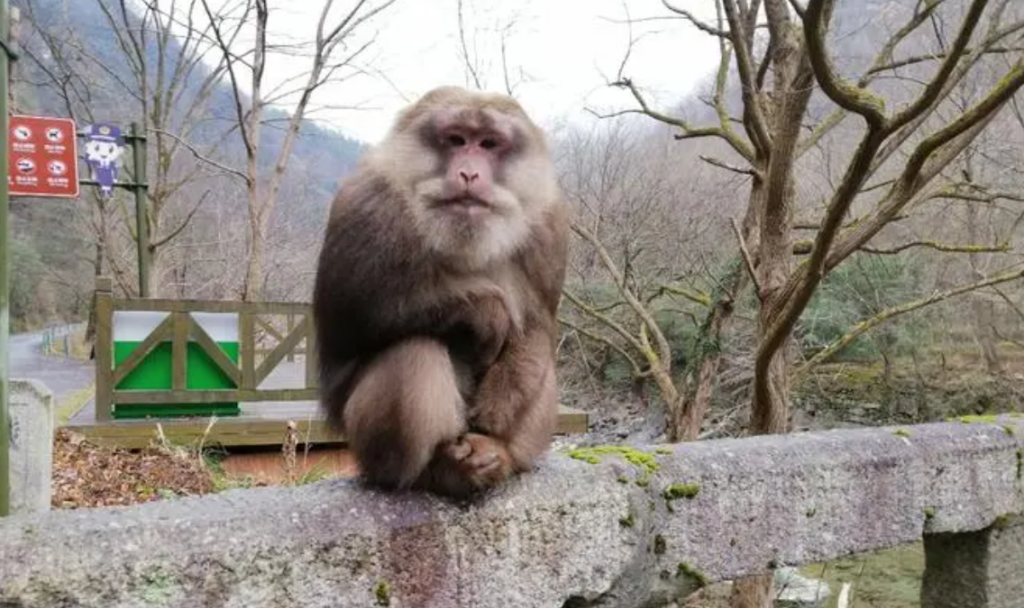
x: 456, y: 140
x: 488, y: 144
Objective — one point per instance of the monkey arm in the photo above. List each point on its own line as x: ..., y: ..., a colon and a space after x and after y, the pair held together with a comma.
x: 517, y: 399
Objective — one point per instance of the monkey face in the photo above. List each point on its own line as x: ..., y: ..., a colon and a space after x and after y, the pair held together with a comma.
x: 475, y: 173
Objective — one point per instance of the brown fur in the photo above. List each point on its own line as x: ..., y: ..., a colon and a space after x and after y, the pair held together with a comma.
x: 436, y: 339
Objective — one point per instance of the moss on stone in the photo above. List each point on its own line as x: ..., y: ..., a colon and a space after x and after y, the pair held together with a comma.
x: 623, y: 479
x: 1001, y: 521
x: 638, y: 458
x: 692, y: 573
x: 976, y: 418
x: 929, y: 513
x: 681, y: 490
x: 811, y: 512
x: 382, y: 593
x: 633, y: 456
x: 158, y: 586
x: 902, y: 433
x: 628, y: 521
x: 660, y: 546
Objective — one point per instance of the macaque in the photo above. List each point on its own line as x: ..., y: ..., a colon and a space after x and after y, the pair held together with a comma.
x: 436, y: 295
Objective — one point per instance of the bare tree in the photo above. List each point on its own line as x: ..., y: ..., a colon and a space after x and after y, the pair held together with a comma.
x: 163, y: 77
x: 495, y: 36
x: 896, y: 155
x: 332, y: 56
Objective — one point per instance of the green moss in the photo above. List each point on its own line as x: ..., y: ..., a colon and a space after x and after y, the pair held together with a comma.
x: 633, y: 456
x: 692, y: 573
x: 623, y: 479
x: 638, y: 458
x: 1001, y: 521
x: 628, y: 521
x: 158, y: 587
x: 1009, y: 429
x: 382, y: 593
x: 659, y: 544
x: 681, y: 490
x: 902, y: 433
x: 974, y: 418
x: 811, y: 512
x: 663, y: 451
x: 643, y: 483
x: 929, y: 513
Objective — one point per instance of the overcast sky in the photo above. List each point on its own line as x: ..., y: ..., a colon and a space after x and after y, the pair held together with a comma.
x: 568, y: 50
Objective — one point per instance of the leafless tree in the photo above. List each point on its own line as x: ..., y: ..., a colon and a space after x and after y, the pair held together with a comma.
x: 781, y: 56
x: 332, y: 56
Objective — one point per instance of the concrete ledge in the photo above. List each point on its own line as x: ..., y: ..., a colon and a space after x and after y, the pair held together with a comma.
x: 31, y: 461
x: 574, y: 531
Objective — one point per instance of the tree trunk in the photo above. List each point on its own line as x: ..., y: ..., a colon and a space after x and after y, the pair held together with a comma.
x: 253, y: 288
x: 691, y: 413
x: 984, y: 331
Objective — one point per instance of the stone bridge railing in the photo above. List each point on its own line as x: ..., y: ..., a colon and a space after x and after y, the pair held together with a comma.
x: 600, y: 528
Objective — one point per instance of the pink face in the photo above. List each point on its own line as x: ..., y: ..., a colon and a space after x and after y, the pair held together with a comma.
x: 473, y: 146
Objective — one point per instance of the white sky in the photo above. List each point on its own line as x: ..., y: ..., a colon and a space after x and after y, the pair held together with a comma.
x: 568, y: 48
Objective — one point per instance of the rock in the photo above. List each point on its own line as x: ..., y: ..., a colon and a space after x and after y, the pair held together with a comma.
x: 793, y: 590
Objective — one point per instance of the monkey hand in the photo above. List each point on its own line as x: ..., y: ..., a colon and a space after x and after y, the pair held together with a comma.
x: 469, y: 465
x: 491, y: 322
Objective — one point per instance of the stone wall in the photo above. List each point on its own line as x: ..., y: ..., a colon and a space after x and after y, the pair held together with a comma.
x: 608, y: 529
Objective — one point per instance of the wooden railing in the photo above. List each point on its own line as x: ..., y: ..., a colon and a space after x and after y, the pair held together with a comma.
x: 263, y: 345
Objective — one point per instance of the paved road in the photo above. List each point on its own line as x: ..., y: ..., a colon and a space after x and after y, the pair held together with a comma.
x: 62, y: 376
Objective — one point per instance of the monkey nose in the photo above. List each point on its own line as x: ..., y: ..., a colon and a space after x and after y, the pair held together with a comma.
x: 468, y: 177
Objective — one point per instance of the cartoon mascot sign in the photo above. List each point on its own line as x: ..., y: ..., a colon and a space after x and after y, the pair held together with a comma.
x: 103, y: 149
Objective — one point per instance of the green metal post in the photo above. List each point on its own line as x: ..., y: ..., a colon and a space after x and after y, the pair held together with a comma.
x: 138, y: 137
x: 5, y: 283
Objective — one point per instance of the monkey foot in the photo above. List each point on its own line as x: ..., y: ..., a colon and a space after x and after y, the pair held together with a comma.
x: 469, y: 465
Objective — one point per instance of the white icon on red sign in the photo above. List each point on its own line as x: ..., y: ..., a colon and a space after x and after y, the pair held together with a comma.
x: 56, y: 167
x: 22, y: 132
x: 26, y: 166
x: 54, y: 134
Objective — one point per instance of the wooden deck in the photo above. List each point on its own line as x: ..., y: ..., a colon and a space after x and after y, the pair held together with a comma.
x: 259, y: 424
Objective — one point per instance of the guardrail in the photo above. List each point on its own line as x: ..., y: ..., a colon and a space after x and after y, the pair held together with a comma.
x: 605, y: 526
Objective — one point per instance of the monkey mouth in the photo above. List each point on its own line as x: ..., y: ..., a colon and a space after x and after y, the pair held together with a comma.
x: 464, y: 205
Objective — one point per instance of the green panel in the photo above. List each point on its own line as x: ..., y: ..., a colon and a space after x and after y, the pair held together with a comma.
x: 154, y: 373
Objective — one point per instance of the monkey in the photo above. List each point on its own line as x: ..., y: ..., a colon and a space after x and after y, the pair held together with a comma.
x: 436, y: 294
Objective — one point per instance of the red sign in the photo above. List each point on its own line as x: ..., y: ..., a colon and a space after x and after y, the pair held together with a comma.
x: 42, y: 157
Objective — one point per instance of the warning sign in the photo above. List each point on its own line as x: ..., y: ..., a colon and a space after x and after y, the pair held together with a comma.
x: 42, y: 157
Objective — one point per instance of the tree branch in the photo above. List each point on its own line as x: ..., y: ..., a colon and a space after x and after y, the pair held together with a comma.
x: 605, y: 319
x: 806, y: 246
x: 891, y: 313
x: 181, y: 227
x: 845, y: 94
x: 704, y: 27
x: 664, y: 353
x: 748, y: 260
x: 199, y: 156
x: 688, y: 131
